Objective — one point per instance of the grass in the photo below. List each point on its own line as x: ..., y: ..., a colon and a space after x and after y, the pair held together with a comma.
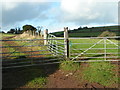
x: 37, y: 82
x: 11, y: 50
x: 88, y: 32
x: 3, y: 35
x: 100, y: 72
x: 91, y: 42
x: 36, y: 79
x: 34, y: 48
x: 83, y: 46
x: 69, y: 66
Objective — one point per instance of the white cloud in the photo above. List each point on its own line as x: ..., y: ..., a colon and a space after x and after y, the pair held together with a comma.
x: 9, y: 6
x: 89, y: 11
x: 77, y: 12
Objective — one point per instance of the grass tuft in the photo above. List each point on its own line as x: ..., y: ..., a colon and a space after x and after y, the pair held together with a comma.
x: 69, y: 66
x: 37, y: 82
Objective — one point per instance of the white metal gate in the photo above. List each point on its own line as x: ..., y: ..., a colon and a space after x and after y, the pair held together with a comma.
x: 94, y: 49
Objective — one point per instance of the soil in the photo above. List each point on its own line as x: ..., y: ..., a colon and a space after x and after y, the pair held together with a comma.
x: 63, y: 79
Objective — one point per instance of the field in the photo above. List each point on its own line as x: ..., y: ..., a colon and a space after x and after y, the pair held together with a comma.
x: 67, y: 74
x: 90, y: 31
x: 91, y: 49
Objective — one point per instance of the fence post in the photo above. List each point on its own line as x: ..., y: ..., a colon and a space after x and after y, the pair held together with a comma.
x: 66, y: 42
x: 45, y: 36
x: 105, y: 56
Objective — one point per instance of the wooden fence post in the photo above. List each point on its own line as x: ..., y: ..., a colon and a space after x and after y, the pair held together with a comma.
x: 45, y: 36
x: 66, y: 42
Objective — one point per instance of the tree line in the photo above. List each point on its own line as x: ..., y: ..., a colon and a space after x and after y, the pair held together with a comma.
x: 26, y: 28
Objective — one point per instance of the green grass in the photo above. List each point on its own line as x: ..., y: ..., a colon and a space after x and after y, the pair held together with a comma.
x: 69, y: 66
x: 35, y: 77
x: 38, y: 78
x: 6, y: 35
x: 92, y: 50
x: 100, y: 72
x: 91, y: 42
x: 34, y: 48
x: 37, y: 82
x: 88, y: 32
x: 11, y: 50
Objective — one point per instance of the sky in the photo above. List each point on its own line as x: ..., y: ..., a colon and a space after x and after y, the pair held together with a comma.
x: 54, y: 15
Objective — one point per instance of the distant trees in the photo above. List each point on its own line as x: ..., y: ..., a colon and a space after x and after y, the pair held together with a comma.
x: 39, y: 30
x: 15, y: 31
x: 31, y: 30
x: 85, y: 27
x: 2, y: 32
x: 12, y: 31
x: 80, y: 28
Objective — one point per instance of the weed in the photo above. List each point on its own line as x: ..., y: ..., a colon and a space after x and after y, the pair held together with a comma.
x: 69, y: 66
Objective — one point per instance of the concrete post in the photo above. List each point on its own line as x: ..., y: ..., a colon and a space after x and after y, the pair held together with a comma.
x: 66, y: 42
x: 45, y: 36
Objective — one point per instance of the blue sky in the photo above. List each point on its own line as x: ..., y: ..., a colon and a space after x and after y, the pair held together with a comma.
x: 54, y: 15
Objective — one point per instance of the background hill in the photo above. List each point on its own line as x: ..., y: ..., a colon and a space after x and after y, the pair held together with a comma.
x: 91, y: 32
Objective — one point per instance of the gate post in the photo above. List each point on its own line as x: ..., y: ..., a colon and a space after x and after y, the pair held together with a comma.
x: 66, y: 42
x: 45, y: 36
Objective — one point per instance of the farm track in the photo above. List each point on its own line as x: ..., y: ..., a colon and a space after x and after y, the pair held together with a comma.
x: 20, y: 49
x: 63, y: 79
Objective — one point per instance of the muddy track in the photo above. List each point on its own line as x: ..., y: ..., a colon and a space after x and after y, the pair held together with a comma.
x: 20, y: 49
x: 62, y: 79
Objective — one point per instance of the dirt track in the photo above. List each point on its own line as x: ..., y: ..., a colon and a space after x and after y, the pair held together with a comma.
x: 62, y: 79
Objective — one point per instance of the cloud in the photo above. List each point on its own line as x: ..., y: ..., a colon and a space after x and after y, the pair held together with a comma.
x: 87, y: 12
x: 59, y: 13
x: 23, y: 11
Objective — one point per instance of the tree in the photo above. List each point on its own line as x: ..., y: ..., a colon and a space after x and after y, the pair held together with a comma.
x: 18, y: 31
x: 80, y: 28
x: 2, y: 32
x: 85, y: 27
x: 29, y: 28
x: 11, y: 31
x: 39, y: 29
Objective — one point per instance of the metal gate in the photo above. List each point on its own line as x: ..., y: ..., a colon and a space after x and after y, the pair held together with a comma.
x: 94, y: 49
x: 30, y: 52
x: 51, y: 49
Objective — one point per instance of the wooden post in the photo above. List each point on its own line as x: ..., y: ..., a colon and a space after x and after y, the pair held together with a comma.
x: 45, y: 36
x: 66, y: 42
